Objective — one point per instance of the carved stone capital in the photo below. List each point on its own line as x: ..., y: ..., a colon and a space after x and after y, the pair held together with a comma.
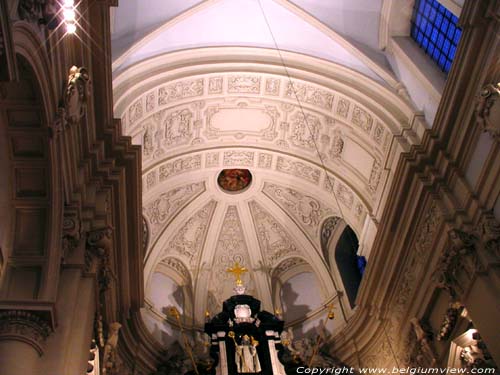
x: 71, y: 233
x: 488, y: 231
x: 488, y: 109
x: 97, y: 256
x: 458, y: 263
x: 76, y: 94
x: 25, y: 326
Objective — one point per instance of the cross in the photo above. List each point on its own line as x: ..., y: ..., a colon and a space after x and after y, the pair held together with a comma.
x: 237, y: 271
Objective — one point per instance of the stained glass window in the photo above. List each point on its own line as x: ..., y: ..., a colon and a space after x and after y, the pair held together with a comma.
x: 435, y: 30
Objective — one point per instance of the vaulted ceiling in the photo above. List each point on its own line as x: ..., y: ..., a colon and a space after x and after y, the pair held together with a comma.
x: 295, y: 92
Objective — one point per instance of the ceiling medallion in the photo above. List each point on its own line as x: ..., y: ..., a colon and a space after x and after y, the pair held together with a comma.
x: 234, y: 180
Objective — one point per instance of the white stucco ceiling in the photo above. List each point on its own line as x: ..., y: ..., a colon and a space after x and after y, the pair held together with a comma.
x: 202, y: 87
x: 344, y: 32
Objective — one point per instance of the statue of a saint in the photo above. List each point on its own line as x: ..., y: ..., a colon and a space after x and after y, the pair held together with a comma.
x: 247, y: 359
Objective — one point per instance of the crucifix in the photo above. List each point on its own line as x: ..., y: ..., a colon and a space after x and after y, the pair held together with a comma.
x: 237, y: 271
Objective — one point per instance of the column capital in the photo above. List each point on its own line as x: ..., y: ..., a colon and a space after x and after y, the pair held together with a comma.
x: 25, y: 326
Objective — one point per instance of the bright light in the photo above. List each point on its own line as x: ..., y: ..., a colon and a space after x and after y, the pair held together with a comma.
x: 69, y: 14
x: 70, y: 28
x: 69, y: 3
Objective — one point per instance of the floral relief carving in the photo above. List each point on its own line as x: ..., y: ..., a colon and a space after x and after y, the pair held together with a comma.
x: 243, y: 158
x: 180, y: 90
x: 272, y: 86
x: 378, y: 133
x: 231, y: 248
x: 243, y: 84
x: 343, y: 106
x: 375, y: 174
x: 180, y: 165
x: 150, y: 101
x: 275, y: 243
x: 188, y: 241
x: 135, y: 111
x: 306, y: 210
x: 362, y: 119
x: 265, y: 160
x: 212, y: 159
x: 150, y: 180
x: 459, y: 263
x: 305, y: 130
x: 309, y: 94
x: 162, y: 209
x: 147, y: 141
x: 298, y: 169
x: 179, y: 127
x: 215, y: 85
x: 337, y: 146
x: 344, y: 195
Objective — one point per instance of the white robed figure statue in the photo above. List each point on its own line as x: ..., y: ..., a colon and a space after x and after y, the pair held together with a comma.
x: 247, y: 359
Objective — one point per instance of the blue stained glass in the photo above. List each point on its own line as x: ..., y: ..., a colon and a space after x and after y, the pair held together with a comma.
x: 446, y: 47
x: 434, y: 36
x: 440, y: 41
x: 435, y: 29
x: 451, y: 32
x: 436, y: 54
x: 438, y: 20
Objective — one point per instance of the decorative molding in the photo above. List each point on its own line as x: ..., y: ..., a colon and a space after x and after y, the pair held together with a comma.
x: 188, y: 241
x: 275, y: 243
x: 298, y: 169
x: 488, y: 109
x: 449, y: 321
x: 72, y: 230
x: 25, y: 326
x: 98, y: 256
x: 459, y: 263
x: 166, y: 205
x: 306, y: 210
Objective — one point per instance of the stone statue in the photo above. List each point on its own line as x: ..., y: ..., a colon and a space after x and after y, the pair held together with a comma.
x: 247, y: 359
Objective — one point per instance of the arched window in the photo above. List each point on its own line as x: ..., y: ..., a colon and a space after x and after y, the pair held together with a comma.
x: 346, y: 259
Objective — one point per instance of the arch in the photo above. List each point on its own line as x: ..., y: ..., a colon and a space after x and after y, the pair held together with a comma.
x: 32, y: 215
x: 346, y: 260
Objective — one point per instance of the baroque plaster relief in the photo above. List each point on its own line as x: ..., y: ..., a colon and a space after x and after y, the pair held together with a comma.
x: 180, y: 90
x: 287, y: 265
x: 304, y: 130
x: 135, y: 111
x: 178, y: 266
x: 309, y: 94
x: 242, y: 158
x: 178, y: 127
x: 215, y: 85
x: 243, y: 84
x: 298, y: 169
x: 240, y: 120
x: 363, y: 119
x: 180, y: 165
x: 275, y: 243
x: 272, y: 86
x: 304, y: 209
x: 161, y: 210
x: 265, y: 160
x: 188, y: 241
x: 231, y: 248
x: 212, y: 159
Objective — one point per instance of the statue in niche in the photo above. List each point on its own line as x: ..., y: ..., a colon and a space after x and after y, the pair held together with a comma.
x: 247, y: 359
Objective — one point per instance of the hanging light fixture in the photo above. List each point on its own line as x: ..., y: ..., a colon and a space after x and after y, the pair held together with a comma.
x: 69, y: 15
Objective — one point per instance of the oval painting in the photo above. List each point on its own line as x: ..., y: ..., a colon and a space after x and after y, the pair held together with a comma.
x: 234, y: 180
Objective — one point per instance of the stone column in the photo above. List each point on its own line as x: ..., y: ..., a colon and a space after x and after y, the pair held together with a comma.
x: 22, y: 335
